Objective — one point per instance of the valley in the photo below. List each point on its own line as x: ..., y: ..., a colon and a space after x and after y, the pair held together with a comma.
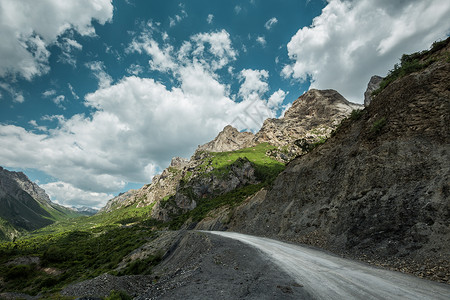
x: 364, y: 183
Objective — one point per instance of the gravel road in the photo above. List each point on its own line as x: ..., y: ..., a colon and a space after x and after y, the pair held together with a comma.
x: 325, y: 276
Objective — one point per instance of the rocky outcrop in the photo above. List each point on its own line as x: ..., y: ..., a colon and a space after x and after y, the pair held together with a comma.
x: 177, y: 189
x: 229, y: 139
x: 27, y: 185
x: 310, y: 119
x: 379, y: 189
x: 17, y: 206
x: 373, y: 85
x: 25, y: 206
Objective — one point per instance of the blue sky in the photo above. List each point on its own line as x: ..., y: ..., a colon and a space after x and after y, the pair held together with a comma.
x: 96, y: 97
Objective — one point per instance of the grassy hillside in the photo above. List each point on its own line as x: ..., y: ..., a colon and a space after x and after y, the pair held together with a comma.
x: 85, y: 247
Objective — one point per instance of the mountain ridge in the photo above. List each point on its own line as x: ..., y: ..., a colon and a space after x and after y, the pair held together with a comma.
x: 311, y: 119
x: 24, y: 206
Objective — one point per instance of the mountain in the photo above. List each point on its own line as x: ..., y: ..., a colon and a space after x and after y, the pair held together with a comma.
x: 370, y: 184
x: 379, y: 188
x: 24, y: 206
x: 85, y: 211
x: 209, y: 173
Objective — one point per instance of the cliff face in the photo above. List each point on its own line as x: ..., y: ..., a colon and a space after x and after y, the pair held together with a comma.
x: 229, y: 139
x: 379, y: 188
x: 18, y: 207
x: 310, y: 119
x: 179, y: 187
x: 25, y: 206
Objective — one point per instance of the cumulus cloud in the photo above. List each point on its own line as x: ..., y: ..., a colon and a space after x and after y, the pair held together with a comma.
x: 139, y: 124
x: 276, y: 99
x: 66, y: 194
x: 28, y: 27
x: 270, y: 23
x: 254, y: 82
x: 352, y: 40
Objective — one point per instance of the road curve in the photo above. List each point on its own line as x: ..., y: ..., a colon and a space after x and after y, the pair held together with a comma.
x: 325, y: 276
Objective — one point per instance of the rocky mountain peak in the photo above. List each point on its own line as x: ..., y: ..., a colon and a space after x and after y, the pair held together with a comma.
x: 27, y: 185
x: 373, y: 85
x: 320, y: 104
x: 179, y: 162
x: 229, y: 139
x: 311, y: 118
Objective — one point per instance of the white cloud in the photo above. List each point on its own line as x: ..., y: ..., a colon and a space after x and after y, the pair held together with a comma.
x: 276, y: 99
x: 210, y: 18
x: 68, y: 46
x: 254, y: 81
x: 179, y: 17
x: 36, y: 126
x: 139, y: 124
x: 58, y: 100
x: 49, y: 93
x: 261, y: 40
x: 269, y: 24
x: 72, y: 91
x: 237, y: 9
x: 353, y: 40
x: 98, y: 69
x: 219, y: 46
x: 135, y: 69
x: 66, y: 194
x: 28, y: 27
x: 16, y: 95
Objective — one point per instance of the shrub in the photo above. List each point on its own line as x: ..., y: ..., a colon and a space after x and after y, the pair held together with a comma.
x: 356, y: 114
x: 19, y: 272
x: 378, y: 126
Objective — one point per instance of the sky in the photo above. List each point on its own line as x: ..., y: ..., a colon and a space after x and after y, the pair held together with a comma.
x: 97, y: 96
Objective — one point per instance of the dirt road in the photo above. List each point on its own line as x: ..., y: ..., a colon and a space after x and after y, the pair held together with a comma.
x: 325, y: 276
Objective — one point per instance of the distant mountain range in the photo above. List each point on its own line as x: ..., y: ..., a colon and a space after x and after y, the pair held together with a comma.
x: 24, y: 206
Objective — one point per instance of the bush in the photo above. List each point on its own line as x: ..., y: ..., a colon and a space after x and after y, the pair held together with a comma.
x: 356, y: 114
x: 378, y: 125
x: 19, y: 272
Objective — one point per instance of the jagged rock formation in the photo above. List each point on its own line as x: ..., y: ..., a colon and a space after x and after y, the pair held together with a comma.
x: 310, y: 119
x: 321, y: 110
x: 229, y: 139
x: 373, y: 85
x: 24, y: 205
x: 379, y: 189
x: 121, y: 200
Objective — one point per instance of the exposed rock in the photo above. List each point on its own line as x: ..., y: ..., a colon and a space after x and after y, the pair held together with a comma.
x: 229, y: 139
x: 120, y: 200
x: 179, y: 162
x: 373, y: 85
x: 17, y: 206
x: 24, y: 205
x: 311, y: 118
x: 379, y: 189
x: 27, y: 185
